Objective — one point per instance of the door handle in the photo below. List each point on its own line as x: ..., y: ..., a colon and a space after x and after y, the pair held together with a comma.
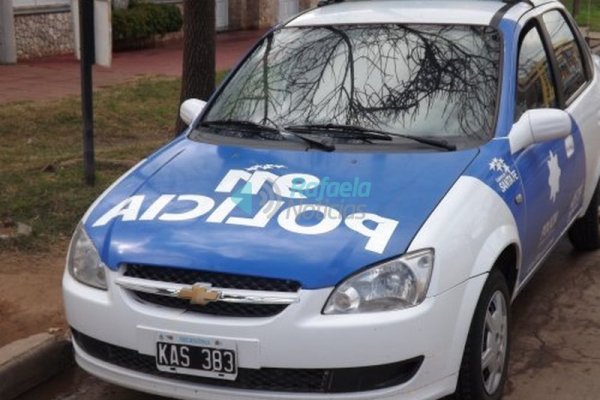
x: 569, y: 146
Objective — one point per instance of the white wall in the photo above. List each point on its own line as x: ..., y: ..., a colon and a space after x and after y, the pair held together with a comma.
x: 222, y: 14
x: 287, y: 9
x: 37, y: 3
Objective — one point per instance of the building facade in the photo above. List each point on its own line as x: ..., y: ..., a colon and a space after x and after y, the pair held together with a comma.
x: 45, y: 27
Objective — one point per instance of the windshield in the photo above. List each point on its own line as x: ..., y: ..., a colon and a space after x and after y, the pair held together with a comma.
x: 419, y: 80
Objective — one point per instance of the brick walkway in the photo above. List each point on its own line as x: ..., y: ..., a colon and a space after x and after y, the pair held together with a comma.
x: 54, y: 77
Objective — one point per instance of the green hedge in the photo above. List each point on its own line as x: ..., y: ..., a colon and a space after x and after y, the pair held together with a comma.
x: 143, y: 20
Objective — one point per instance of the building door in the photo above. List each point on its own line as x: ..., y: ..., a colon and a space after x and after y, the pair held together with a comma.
x: 222, y: 11
x: 287, y: 8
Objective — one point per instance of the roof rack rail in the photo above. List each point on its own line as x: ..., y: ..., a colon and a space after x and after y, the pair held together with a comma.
x: 328, y: 2
x: 519, y: 1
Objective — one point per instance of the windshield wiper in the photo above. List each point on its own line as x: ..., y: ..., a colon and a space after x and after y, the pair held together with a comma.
x: 347, y: 130
x: 292, y: 136
x: 376, y: 134
x: 324, y: 145
x: 247, y: 125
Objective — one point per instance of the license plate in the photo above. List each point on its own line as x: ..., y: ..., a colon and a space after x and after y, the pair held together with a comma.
x: 196, y: 360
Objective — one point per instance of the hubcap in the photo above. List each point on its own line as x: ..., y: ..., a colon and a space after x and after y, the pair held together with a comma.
x: 494, y: 343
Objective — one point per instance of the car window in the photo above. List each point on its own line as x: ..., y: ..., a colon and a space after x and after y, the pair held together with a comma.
x: 535, y: 84
x: 420, y: 80
x: 567, y: 52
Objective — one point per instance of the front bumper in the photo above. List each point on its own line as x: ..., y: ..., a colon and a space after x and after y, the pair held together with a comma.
x: 298, y: 338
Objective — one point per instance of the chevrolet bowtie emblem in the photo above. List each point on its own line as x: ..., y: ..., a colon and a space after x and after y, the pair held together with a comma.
x: 200, y: 294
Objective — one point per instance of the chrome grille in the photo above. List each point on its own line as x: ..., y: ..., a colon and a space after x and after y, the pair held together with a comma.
x: 217, y: 279
x: 219, y: 308
x: 151, y: 275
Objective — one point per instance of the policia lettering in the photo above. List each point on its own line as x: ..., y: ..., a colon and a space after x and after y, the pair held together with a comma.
x: 376, y: 228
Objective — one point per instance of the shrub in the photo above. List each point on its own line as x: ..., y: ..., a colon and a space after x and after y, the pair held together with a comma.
x: 143, y: 20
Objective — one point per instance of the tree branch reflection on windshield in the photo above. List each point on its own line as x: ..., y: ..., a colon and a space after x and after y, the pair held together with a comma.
x: 422, y: 80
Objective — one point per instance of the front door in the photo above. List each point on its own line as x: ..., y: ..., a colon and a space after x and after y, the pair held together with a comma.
x: 551, y: 172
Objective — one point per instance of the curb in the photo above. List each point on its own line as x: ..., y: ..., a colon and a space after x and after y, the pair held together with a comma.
x: 28, y: 362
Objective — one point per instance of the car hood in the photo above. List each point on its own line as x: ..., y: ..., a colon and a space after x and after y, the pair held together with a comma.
x: 190, y: 206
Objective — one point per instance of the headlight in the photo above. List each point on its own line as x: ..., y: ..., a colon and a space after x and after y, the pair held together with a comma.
x: 393, y: 285
x: 83, y: 261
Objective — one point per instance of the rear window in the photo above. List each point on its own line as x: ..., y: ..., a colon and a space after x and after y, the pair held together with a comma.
x: 567, y: 52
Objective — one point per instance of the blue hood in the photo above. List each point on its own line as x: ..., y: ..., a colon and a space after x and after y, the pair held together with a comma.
x: 400, y: 188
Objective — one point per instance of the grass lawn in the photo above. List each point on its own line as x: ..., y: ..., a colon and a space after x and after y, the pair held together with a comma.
x: 589, y: 13
x: 41, y: 178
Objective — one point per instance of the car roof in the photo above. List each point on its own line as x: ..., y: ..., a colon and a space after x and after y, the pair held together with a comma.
x: 471, y: 12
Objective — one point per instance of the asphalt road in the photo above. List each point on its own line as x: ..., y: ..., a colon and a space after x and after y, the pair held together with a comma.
x: 555, y: 349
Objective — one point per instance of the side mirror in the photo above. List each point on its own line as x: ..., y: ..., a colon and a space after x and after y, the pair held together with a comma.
x: 190, y: 109
x: 538, y: 126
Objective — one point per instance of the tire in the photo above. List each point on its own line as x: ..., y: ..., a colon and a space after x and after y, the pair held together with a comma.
x: 492, y: 334
x: 584, y: 234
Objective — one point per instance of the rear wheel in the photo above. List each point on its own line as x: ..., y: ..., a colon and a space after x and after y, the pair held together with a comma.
x: 485, y: 361
x: 585, y: 232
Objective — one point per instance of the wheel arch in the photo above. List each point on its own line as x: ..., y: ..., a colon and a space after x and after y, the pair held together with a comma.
x: 508, y: 264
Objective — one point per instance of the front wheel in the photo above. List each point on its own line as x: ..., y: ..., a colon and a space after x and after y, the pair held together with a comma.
x: 484, y: 366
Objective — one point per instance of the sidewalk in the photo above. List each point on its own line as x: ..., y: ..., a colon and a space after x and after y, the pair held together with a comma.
x: 55, y: 77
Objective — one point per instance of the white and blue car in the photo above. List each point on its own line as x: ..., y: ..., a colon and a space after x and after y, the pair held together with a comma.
x: 352, y: 212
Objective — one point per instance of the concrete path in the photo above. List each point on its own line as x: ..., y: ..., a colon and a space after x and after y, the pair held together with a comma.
x: 55, y: 77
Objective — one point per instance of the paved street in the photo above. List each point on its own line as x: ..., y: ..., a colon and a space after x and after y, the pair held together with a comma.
x: 556, y: 340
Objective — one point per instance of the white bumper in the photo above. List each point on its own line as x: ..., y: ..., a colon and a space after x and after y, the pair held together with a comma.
x: 299, y: 337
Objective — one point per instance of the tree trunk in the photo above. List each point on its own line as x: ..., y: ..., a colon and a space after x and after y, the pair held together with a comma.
x: 576, y: 7
x: 199, y: 34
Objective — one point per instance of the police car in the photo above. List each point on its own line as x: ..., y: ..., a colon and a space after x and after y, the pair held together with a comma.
x: 352, y: 212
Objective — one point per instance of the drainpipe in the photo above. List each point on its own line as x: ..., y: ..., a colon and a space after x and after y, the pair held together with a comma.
x: 8, y: 44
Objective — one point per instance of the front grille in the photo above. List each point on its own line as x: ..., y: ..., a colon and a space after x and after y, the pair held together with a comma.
x: 218, y: 308
x: 216, y: 279
x: 341, y: 380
